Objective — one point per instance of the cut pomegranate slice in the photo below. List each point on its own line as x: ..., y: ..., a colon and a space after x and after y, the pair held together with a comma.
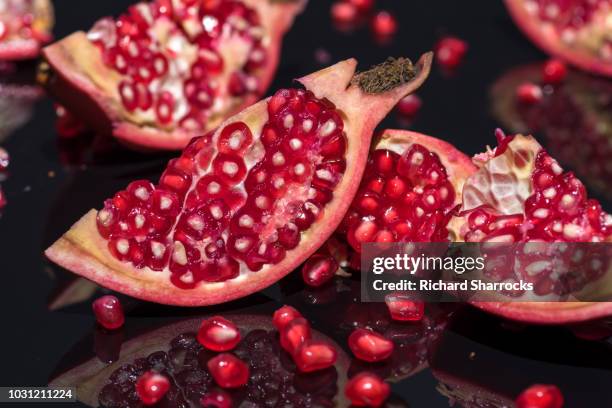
x: 521, y: 194
x: 25, y: 25
x: 411, y: 184
x: 226, y: 221
x: 166, y: 71
x: 576, y: 31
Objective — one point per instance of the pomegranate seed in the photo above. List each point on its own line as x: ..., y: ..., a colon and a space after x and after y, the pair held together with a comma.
x: 228, y: 370
x: 109, y: 312
x: 384, y: 24
x: 283, y: 316
x: 369, y: 346
x: 362, y: 5
x: 295, y: 334
x: 450, y: 52
x: 343, y: 12
x: 218, y: 334
x: 540, y: 396
x: 314, y: 356
x: 319, y: 270
x: 409, y: 105
x: 4, y: 159
x: 367, y: 390
x: 529, y: 93
x: 2, y: 198
x: 216, y: 399
x: 554, y: 72
x: 403, y: 309
x: 151, y: 387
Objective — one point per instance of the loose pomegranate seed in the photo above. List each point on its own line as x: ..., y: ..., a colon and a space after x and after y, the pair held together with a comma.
x: 295, y: 334
x: 409, y: 105
x: 554, y: 72
x: 363, y: 5
x: 283, y: 316
x: 4, y: 159
x: 228, y: 370
x: 403, y: 309
x: 450, y: 51
x: 151, y: 387
x: 319, y: 270
x: 369, y: 346
x: 540, y: 396
x: 367, y: 390
x: 218, y: 334
x: 109, y: 312
x: 384, y: 24
x: 216, y: 399
x: 343, y: 12
x: 314, y: 356
x: 529, y: 93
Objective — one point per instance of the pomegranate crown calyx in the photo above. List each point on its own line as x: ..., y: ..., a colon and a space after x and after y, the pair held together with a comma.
x: 386, y: 76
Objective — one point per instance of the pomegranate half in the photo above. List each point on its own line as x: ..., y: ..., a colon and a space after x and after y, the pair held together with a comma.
x: 25, y: 25
x: 576, y: 31
x: 246, y: 204
x: 168, y: 70
x: 521, y: 194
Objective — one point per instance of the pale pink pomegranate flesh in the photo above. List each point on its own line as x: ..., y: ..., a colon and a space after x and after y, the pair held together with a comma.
x: 25, y: 26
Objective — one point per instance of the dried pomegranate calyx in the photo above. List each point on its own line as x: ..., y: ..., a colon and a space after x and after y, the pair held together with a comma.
x: 385, y: 76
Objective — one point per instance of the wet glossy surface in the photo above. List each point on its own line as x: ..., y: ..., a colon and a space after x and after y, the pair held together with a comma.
x: 51, y: 184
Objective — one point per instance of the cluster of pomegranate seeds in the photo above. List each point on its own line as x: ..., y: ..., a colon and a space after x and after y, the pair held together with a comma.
x: 370, y: 346
x: 529, y: 93
x: 169, y: 56
x: 554, y: 72
x: 228, y: 371
x: 401, y: 198
x: 540, y: 396
x: 367, y: 390
x: 450, y: 52
x: 151, y: 387
x: 218, y: 334
x: 319, y: 269
x: 108, y: 312
x: 403, y: 309
x: 409, y: 106
x: 216, y: 399
x: 198, y: 222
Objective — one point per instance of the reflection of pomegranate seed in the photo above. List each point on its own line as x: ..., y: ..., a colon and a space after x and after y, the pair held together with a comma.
x: 529, y: 93
x: 554, y: 72
x: 369, y: 346
x: 2, y: 198
x: 343, y: 12
x: 228, y: 370
x: 4, y: 159
x: 109, y: 312
x: 540, y: 396
x: 319, y: 270
x: 384, y: 24
x: 283, y: 316
x: 151, y: 387
x: 409, y: 105
x: 315, y: 356
x: 403, y: 309
x: 217, y: 399
x: 450, y: 51
x: 218, y: 334
x: 367, y: 390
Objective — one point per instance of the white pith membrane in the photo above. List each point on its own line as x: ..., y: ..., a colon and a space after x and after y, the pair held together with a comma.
x: 583, y: 23
x: 177, y: 64
x: 235, y: 200
x: 25, y: 21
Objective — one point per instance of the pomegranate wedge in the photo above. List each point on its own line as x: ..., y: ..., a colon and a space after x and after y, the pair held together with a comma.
x: 246, y: 204
x: 25, y: 25
x: 168, y: 70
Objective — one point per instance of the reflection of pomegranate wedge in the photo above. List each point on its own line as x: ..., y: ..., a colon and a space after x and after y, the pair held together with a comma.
x: 245, y: 205
x: 577, y: 31
x: 521, y: 194
x: 16, y: 105
x: 175, y: 352
x: 25, y: 25
x: 169, y: 70
x: 411, y: 184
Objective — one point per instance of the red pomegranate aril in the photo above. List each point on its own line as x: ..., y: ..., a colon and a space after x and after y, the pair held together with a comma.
x: 3, y: 201
x: 343, y: 12
x: 314, y: 356
x: 409, y: 105
x: 108, y: 312
x: 450, y: 52
x: 554, y: 72
x: 294, y: 334
x: 151, y: 387
x: 164, y: 107
x: 129, y: 95
x: 216, y: 399
x: 384, y: 24
x: 319, y: 270
x: 540, y: 396
x: 228, y: 371
x: 218, y: 334
x: 363, y: 5
x: 367, y: 390
x: 370, y: 346
x: 235, y: 138
x: 283, y: 316
x: 529, y: 93
x: 403, y: 309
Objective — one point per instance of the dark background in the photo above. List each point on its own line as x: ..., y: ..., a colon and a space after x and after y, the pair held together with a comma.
x: 456, y: 108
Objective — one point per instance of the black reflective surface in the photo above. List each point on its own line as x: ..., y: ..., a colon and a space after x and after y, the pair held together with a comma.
x: 51, y: 184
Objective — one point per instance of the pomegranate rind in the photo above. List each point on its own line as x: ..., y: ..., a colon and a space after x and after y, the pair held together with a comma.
x: 86, y: 86
x: 548, y: 312
x: 83, y: 251
x: 21, y: 49
x: 89, y: 377
x: 549, y: 41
